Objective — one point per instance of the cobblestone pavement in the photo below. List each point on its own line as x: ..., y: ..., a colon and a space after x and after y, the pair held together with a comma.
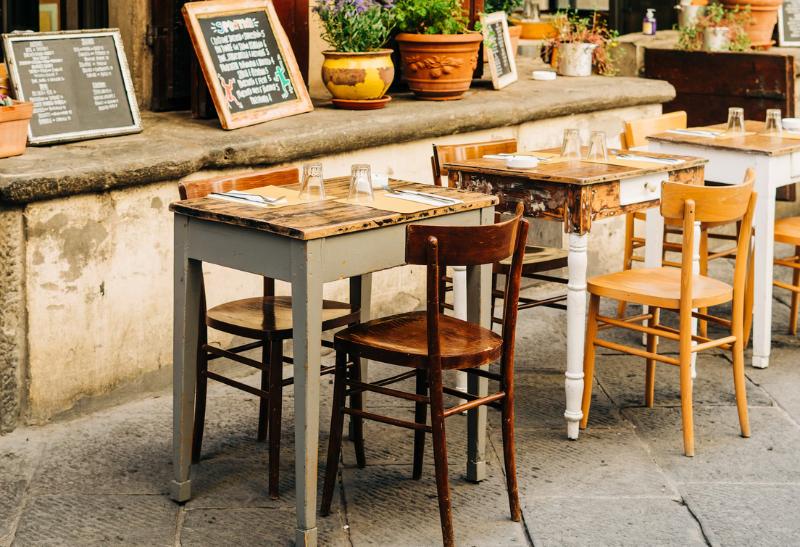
x: 102, y: 478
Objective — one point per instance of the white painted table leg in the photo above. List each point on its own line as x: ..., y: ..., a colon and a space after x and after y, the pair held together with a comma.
x: 764, y: 247
x: 306, y: 316
x: 696, y: 271
x: 576, y: 330
x: 187, y: 282
x: 460, y: 312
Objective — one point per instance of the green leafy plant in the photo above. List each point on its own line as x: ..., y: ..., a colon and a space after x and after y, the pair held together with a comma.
x: 355, y: 25
x: 431, y: 17
x: 570, y: 28
x: 508, y: 6
x: 716, y: 16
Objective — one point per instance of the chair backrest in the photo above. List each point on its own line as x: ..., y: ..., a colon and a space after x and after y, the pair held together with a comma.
x: 443, y: 153
x: 637, y: 131
x: 712, y: 205
x: 440, y: 246
x: 278, y: 176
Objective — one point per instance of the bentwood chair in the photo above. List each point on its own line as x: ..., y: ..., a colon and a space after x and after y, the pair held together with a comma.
x: 266, y: 319
x: 681, y: 291
x: 538, y: 260
x: 787, y: 230
x: 429, y: 342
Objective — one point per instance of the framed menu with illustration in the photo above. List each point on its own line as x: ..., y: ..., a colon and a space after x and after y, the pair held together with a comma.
x: 247, y: 62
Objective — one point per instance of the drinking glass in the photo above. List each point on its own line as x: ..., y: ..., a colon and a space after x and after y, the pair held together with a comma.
x: 773, y: 124
x: 597, y: 147
x: 735, y: 120
x: 313, y: 185
x: 571, y: 145
x: 361, y: 183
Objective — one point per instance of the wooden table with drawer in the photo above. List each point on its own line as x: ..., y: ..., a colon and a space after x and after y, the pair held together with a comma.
x: 578, y: 194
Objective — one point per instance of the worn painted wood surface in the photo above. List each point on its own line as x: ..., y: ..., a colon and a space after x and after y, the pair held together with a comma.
x: 325, y: 218
x: 753, y: 144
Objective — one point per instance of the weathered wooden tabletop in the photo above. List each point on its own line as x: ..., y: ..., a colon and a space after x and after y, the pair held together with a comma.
x: 753, y: 144
x: 579, y: 173
x: 325, y: 218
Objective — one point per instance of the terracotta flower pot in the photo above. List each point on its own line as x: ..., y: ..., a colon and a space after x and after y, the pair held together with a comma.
x: 763, y: 17
x: 358, y: 76
x: 14, y: 122
x: 439, y: 67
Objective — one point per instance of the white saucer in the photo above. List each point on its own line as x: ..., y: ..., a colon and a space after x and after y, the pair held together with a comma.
x: 521, y: 162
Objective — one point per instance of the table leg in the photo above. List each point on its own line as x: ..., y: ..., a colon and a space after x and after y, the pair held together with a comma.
x: 306, y: 316
x: 576, y: 330
x: 479, y: 281
x: 187, y: 286
x: 762, y: 286
x: 460, y: 312
x: 361, y: 295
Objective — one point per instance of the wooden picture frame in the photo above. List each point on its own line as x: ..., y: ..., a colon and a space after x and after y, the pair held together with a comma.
x: 194, y: 13
x: 784, y: 40
x: 19, y: 91
x: 499, y: 52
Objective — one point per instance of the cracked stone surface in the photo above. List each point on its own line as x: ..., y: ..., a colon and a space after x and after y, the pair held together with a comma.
x: 102, y: 478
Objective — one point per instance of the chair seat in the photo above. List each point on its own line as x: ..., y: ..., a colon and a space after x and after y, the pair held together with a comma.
x: 403, y: 340
x: 538, y: 259
x: 271, y: 316
x: 659, y: 287
x: 787, y: 230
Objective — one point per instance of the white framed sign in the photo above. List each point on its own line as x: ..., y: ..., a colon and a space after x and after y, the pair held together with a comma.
x: 500, y: 53
x: 789, y: 23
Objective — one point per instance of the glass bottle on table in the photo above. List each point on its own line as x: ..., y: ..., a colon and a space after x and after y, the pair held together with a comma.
x: 772, y: 126
x: 597, y: 147
x: 361, y: 184
x: 735, y: 121
x: 571, y: 145
x: 313, y: 185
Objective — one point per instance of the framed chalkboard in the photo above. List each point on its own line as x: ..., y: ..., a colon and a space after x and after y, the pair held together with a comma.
x: 247, y: 61
x: 78, y: 82
x: 789, y: 23
x: 497, y: 43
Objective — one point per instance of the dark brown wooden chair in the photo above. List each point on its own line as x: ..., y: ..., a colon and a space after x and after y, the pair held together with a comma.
x: 429, y: 343
x: 267, y: 319
x: 538, y: 259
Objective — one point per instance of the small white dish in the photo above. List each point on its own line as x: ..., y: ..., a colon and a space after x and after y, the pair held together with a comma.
x: 521, y: 162
x: 791, y: 124
x: 543, y: 75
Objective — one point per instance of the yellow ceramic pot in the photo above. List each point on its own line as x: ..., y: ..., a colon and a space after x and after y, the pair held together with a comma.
x: 358, y: 76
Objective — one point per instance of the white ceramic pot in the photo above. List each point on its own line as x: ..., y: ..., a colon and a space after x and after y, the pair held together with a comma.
x: 575, y: 58
x: 688, y: 14
x: 717, y: 39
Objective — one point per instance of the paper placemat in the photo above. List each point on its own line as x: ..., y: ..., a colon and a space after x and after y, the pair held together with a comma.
x: 291, y: 195
x: 723, y: 135
x: 631, y: 163
x: 386, y: 202
x: 794, y: 135
x: 545, y: 158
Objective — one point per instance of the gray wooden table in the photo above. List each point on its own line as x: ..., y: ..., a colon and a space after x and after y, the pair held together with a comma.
x: 306, y: 245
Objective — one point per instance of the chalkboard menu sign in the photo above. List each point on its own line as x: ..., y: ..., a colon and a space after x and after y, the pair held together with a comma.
x: 79, y: 84
x: 789, y: 23
x: 497, y: 44
x: 247, y: 61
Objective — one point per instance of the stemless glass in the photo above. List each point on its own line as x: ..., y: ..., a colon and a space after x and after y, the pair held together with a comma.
x: 597, y: 147
x: 772, y: 127
x: 571, y: 145
x: 313, y: 186
x: 361, y: 183
x: 735, y: 120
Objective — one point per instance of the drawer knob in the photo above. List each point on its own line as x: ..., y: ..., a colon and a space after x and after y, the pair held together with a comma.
x: 651, y: 186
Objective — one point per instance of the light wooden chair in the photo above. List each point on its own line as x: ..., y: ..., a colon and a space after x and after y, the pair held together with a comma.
x: 267, y: 319
x: 680, y: 290
x: 429, y: 342
x: 787, y: 230
x: 538, y: 259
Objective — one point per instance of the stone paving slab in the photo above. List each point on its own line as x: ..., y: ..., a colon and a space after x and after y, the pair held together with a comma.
x: 17, y: 463
x: 779, y: 380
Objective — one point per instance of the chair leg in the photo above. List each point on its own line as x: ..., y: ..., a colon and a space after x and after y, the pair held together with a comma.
x: 200, y: 394
x: 357, y: 402
x: 702, y: 326
x: 588, y: 358
x: 263, y: 404
x: 509, y: 444
x: 795, y: 296
x: 275, y: 401
x: 335, y: 439
x: 420, y: 417
x: 687, y: 416
x: 627, y: 260
x: 740, y: 386
x: 652, y: 347
x: 440, y: 456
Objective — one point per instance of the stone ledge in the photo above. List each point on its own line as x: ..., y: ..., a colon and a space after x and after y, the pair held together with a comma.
x: 174, y: 145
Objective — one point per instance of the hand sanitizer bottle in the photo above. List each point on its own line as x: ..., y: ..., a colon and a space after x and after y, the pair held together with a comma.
x: 649, y: 22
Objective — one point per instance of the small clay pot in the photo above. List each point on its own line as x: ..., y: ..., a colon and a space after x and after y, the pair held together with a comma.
x: 763, y: 17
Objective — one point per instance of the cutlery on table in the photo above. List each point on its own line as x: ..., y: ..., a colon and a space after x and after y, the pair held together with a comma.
x: 646, y: 158
x: 697, y: 132
x: 250, y: 198
x: 432, y: 197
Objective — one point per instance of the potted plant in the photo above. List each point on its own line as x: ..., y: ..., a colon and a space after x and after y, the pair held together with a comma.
x: 580, y: 44
x: 763, y: 17
x: 14, y: 119
x: 718, y: 29
x: 438, y: 51
x: 358, y: 70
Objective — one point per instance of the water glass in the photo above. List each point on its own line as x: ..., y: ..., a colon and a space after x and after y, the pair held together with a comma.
x: 735, y: 120
x: 773, y: 124
x: 597, y: 147
x: 313, y: 185
x: 361, y: 183
x: 571, y: 145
